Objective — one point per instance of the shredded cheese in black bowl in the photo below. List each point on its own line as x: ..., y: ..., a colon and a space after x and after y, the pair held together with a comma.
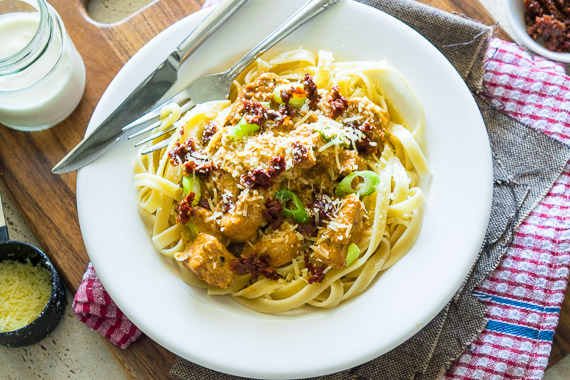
x: 32, y: 295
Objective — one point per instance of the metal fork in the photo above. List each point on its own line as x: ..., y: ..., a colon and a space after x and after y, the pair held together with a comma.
x: 217, y: 86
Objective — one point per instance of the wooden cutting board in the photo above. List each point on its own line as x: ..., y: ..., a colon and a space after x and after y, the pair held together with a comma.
x: 47, y: 201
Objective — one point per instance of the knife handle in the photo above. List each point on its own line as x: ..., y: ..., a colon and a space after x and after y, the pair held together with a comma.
x: 3, y: 228
x: 220, y: 14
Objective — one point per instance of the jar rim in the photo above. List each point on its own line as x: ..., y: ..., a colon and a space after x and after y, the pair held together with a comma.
x: 65, y: 46
x: 35, y: 47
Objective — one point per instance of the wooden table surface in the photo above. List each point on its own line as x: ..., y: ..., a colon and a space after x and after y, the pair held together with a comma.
x: 48, y: 202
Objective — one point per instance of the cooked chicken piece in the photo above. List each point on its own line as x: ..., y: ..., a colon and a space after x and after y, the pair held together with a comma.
x: 348, y: 161
x: 235, y: 114
x: 361, y: 108
x: 241, y: 223
x: 376, y: 116
x: 333, y: 241
x: 210, y: 261
x: 281, y: 246
x: 302, y: 144
x: 262, y: 88
x: 226, y: 182
x: 227, y: 189
x: 304, y: 134
x: 322, y: 180
x: 204, y: 223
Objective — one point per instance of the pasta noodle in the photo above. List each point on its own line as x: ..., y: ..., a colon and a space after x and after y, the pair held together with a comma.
x: 300, y: 191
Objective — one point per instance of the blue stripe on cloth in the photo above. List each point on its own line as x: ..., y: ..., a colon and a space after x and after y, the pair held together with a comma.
x: 507, y: 301
x: 526, y: 332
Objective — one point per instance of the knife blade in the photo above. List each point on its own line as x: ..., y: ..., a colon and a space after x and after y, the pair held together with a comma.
x: 146, y: 95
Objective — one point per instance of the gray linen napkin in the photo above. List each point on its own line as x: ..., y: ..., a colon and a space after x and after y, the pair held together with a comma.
x: 525, y: 162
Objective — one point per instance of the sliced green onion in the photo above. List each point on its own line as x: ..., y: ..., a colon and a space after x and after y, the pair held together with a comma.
x: 191, y: 231
x: 330, y: 134
x: 352, y: 254
x: 299, y: 213
x: 325, y: 131
x: 192, y: 184
x: 242, y: 129
x: 367, y: 187
x: 297, y: 100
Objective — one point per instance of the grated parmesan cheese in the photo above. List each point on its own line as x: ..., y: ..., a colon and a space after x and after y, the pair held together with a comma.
x: 214, y: 216
x: 353, y: 118
x: 24, y: 292
x: 303, y: 119
x: 348, y: 229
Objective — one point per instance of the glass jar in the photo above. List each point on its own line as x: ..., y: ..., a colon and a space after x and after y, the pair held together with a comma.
x: 42, y: 75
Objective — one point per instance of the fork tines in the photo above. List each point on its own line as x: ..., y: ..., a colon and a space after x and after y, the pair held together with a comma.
x: 152, y: 120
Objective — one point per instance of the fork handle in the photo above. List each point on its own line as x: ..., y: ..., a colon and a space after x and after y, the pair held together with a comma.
x: 219, y: 15
x: 304, y: 14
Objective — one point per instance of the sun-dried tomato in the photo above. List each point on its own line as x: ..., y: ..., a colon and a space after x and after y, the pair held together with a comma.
x: 273, y: 213
x: 308, y: 229
x: 227, y: 205
x: 264, y: 178
x: 312, y: 91
x: 257, y: 113
x: 257, y: 179
x: 255, y: 266
x: 363, y: 144
x: 323, y: 205
x: 185, y: 209
x: 195, y: 161
x: 286, y: 95
x: 366, y: 127
x: 179, y: 152
x: 202, y: 167
x: 300, y: 152
x: 287, y: 110
x: 209, y: 131
x: 204, y: 203
x: 317, y: 272
x: 549, y: 20
x: 337, y: 102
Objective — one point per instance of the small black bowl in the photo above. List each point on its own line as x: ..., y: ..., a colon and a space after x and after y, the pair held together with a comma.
x: 49, y: 318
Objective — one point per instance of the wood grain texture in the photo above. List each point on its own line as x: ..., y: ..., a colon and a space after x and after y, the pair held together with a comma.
x: 470, y: 9
x: 48, y: 201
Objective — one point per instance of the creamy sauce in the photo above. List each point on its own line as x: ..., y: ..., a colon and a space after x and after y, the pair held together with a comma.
x: 46, y: 92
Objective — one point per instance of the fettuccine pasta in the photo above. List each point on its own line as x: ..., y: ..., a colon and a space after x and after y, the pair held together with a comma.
x: 299, y: 191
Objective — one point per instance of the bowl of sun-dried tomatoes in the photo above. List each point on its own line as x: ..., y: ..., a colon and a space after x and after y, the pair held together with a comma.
x: 542, y: 25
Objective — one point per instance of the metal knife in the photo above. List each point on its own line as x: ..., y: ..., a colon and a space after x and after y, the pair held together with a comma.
x: 146, y: 95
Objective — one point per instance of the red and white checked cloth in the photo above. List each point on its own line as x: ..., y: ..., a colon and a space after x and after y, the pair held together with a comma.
x: 96, y: 310
x: 526, y: 291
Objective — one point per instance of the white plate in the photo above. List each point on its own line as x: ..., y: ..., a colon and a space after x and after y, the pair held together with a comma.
x: 218, y: 333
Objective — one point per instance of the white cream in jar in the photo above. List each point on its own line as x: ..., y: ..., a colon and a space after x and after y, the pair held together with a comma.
x: 42, y: 76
